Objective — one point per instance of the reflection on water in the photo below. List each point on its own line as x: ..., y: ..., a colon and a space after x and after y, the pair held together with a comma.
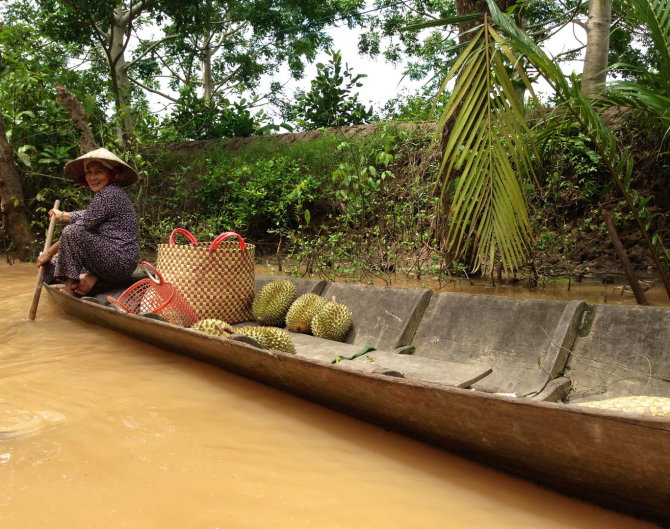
x: 129, y: 436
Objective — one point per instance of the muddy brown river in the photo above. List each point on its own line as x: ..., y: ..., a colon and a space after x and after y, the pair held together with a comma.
x: 102, y: 431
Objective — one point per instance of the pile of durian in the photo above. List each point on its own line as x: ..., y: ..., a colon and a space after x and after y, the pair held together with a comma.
x: 267, y: 337
x: 276, y: 305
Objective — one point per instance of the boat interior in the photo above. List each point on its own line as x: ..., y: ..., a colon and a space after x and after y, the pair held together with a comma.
x: 556, y: 351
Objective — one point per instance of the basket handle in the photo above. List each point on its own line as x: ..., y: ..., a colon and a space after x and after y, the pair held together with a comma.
x: 217, y: 241
x: 118, y: 303
x: 185, y: 233
x: 152, y: 273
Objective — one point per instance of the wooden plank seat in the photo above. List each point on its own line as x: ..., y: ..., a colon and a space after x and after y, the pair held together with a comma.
x: 419, y: 368
x: 389, y: 363
x: 621, y: 351
x: 321, y: 349
x: 526, y: 342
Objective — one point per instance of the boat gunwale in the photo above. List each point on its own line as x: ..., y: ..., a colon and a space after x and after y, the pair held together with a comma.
x: 637, y: 419
x: 560, y: 446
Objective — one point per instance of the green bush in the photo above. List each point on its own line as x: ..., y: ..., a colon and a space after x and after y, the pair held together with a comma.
x: 259, y: 197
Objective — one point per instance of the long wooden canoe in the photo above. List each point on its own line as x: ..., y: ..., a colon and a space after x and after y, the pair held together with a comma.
x: 617, y: 460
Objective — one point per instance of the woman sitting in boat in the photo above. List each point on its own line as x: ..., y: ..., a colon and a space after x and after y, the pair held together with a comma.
x: 101, y: 241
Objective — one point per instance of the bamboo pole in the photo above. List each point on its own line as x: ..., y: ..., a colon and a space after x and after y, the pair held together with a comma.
x: 40, y: 272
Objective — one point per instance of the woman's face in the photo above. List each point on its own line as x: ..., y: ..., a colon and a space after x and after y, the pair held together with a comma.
x: 97, y: 176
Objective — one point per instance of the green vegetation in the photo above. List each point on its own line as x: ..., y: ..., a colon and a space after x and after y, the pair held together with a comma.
x: 508, y: 183
x: 333, y: 205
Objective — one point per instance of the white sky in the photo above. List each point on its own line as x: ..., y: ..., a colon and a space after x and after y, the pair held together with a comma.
x: 384, y: 80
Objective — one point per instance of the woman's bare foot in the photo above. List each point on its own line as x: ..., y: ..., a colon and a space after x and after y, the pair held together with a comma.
x: 85, y: 284
x: 68, y: 288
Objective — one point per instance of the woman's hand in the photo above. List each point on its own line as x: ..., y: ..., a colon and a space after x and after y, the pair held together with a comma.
x: 45, y: 257
x: 61, y: 216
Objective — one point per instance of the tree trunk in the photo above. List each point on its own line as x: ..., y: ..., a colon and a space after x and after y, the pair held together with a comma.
x: 207, y: 82
x: 469, y: 7
x: 87, y: 141
x: 11, y: 200
x: 118, y: 68
x: 594, y: 73
x: 640, y: 298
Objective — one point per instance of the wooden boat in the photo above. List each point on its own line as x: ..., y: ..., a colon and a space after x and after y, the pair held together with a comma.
x: 489, y: 379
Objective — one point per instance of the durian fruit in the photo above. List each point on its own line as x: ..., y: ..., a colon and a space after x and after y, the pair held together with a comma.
x: 272, y: 301
x: 213, y: 326
x: 269, y: 337
x: 300, y: 314
x: 332, y: 321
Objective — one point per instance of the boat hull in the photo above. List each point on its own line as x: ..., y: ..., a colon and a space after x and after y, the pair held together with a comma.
x: 619, y: 461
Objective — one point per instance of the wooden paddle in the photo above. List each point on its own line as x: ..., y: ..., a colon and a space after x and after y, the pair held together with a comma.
x: 40, y: 272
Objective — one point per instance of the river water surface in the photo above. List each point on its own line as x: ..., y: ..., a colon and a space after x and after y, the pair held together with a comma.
x: 113, y: 433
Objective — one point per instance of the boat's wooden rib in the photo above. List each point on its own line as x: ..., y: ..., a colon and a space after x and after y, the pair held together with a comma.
x: 620, y: 461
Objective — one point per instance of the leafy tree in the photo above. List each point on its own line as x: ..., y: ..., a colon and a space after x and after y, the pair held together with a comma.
x: 412, y: 106
x: 330, y: 101
x: 37, y: 133
x: 487, y: 144
x: 650, y: 91
x: 575, y: 106
x: 229, y: 45
x: 195, y: 119
x: 102, y: 30
x: 11, y: 198
x: 223, y: 46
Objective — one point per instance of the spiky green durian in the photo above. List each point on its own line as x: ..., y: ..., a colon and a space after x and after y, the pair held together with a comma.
x: 212, y: 326
x: 273, y: 301
x: 269, y: 337
x: 332, y: 321
x: 300, y: 314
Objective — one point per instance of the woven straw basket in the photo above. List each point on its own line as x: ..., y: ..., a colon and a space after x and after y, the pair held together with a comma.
x: 217, y: 281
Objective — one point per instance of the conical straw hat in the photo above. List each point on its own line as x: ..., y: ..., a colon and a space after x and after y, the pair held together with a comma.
x: 75, y: 168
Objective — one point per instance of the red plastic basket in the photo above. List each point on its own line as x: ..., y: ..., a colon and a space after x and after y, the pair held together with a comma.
x: 156, y: 296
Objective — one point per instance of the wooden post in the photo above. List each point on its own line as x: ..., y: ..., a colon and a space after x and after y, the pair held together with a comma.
x: 627, y: 267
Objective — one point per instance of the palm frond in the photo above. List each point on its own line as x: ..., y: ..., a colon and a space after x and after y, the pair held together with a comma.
x: 655, y: 15
x: 634, y: 95
x: 618, y: 163
x: 488, y: 157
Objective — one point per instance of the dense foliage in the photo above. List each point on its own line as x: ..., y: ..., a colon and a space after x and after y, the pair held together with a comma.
x: 334, y: 204
x: 330, y: 101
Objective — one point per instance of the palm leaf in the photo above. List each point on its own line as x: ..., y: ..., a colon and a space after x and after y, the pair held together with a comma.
x: 655, y: 15
x: 487, y: 155
x: 618, y: 163
x: 635, y: 95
